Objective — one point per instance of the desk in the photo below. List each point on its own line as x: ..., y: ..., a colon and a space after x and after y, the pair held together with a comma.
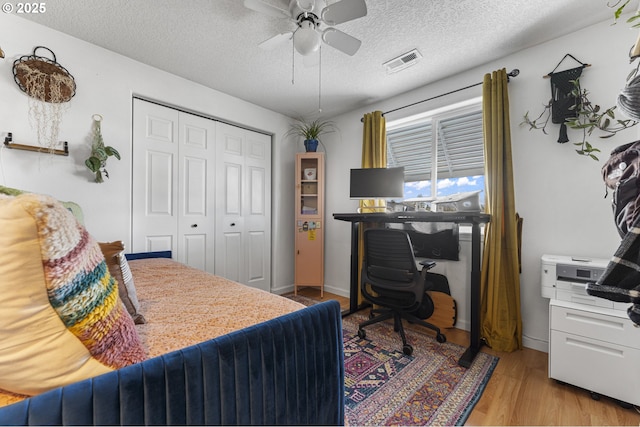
x: 473, y: 218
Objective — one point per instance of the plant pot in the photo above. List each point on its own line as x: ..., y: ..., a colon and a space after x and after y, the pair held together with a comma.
x: 311, y: 145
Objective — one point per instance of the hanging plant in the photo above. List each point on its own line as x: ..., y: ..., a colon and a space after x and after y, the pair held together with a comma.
x: 97, y: 162
x: 49, y: 86
x: 588, y: 118
x: 619, y: 7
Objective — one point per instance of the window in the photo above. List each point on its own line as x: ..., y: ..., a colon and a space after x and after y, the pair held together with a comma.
x: 445, y: 147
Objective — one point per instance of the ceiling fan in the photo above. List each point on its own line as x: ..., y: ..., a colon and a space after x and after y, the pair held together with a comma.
x: 309, y: 16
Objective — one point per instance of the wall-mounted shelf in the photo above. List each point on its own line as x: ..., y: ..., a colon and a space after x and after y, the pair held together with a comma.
x: 9, y: 144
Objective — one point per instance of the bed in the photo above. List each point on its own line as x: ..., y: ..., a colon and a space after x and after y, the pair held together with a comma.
x: 215, y: 351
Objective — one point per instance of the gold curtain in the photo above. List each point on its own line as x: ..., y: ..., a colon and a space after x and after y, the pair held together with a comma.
x: 500, y: 280
x: 374, y: 155
x: 374, y: 152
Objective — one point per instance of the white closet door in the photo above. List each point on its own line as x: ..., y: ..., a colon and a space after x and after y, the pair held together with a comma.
x: 196, y: 195
x: 155, y: 178
x: 173, y: 184
x: 243, y: 208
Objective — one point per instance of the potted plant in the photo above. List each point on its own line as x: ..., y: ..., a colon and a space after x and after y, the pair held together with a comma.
x: 97, y: 161
x: 311, y: 131
x: 589, y: 117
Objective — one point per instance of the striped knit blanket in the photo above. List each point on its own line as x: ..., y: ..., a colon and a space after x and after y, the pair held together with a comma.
x: 620, y: 281
x: 79, y: 285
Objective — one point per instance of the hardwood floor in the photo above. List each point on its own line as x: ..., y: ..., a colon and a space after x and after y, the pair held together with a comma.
x: 520, y: 392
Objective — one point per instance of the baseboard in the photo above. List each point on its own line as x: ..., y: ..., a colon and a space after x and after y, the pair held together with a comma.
x: 280, y: 290
x: 535, y: 344
x: 336, y: 291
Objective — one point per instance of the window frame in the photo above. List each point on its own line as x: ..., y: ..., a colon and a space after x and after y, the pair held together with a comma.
x: 435, y: 117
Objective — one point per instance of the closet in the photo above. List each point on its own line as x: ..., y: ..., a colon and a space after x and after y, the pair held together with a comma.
x: 202, y: 189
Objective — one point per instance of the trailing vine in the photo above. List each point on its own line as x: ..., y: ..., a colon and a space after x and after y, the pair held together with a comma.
x: 589, y: 117
x: 97, y: 162
x: 47, y: 102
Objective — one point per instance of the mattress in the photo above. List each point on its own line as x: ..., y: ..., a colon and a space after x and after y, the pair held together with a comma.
x: 184, y: 306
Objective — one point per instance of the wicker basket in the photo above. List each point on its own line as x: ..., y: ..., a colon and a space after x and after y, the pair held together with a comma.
x: 54, y: 73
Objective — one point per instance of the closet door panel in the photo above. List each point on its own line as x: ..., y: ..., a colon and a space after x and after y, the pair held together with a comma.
x: 233, y: 266
x: 258, y: 209
x: 157, y: 243
x: 155, y: 179
x: 257, y: 259
x: 159, y: 184
x: 243, y: 217
x: 196, y: 225
x: 195, y: 250
x: 173, y: 184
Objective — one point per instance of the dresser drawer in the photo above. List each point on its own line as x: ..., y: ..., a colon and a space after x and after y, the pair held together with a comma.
x: 581, y: 297
x: 615, y: 328
x: 601, y: 367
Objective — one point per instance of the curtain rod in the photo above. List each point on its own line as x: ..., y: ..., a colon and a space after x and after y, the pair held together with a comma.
x: 513, y: 73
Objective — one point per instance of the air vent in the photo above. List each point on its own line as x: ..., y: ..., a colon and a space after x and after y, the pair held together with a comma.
x: 403, y: 61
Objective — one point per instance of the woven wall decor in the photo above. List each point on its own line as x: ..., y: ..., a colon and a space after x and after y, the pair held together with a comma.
x: 564, y: 103
x: 50, y: 87
x: 43, y: 78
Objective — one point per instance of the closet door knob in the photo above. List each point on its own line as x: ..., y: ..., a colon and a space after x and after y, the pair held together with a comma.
x: 194, y: 225
x: 233, y: 224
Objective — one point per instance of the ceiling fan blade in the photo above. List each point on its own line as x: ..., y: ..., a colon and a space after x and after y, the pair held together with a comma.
x: 343, y: 11
x: 267, y: 9
x: 305, y: 5
x: 276, y: 41
x: 341, y: 41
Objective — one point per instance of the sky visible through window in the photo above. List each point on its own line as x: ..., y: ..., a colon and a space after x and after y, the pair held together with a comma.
x: 446, y: 187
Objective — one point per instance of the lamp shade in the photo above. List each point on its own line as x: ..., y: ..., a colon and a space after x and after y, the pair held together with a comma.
x: 306, y: 39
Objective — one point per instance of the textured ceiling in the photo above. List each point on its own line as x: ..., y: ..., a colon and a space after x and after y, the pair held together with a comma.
x: 215, y: 43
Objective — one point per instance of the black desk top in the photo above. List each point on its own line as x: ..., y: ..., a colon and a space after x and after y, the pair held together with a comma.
x: 415, y: 216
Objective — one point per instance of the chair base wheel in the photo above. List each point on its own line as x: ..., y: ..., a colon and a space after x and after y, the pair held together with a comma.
x: 441, y: 338
x: 407, y: 349
x: 362, y: 334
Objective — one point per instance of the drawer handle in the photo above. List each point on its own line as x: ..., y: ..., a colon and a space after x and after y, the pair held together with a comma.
x: 595, y: 321
x: 595, y: 347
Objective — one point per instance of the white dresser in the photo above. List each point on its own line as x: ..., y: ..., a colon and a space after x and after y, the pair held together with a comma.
x: 592, y: 342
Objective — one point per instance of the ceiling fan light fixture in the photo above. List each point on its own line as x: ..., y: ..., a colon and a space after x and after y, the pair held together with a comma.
x: 306, y: 39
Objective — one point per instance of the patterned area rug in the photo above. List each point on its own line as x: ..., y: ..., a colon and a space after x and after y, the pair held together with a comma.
x: 383, y: 386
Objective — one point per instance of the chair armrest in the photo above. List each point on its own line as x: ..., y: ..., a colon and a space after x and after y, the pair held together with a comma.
x: 427, y: 264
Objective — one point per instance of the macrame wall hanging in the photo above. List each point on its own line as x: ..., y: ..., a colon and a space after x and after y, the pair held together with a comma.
x: 564, y: 100
x: 50, y: 87
x: 97, y: 162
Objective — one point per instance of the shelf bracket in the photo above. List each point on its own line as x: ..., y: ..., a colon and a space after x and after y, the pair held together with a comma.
x: 9, y: 144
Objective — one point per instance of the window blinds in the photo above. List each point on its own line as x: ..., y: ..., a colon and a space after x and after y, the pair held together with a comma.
x: 460, y: 149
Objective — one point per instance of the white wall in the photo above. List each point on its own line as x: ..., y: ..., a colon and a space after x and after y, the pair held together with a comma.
x: 106, y: 83
x: 558, y: 193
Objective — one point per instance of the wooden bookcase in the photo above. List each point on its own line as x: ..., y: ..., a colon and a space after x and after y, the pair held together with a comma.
x: 309, y: 221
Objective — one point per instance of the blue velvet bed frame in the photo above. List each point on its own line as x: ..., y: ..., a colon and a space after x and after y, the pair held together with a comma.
x: 288, y: 370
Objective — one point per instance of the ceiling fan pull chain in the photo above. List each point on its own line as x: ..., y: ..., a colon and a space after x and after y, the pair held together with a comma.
x: 320, y: 80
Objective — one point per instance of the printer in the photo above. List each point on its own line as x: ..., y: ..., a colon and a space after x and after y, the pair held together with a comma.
x: 592, y: 342
x: 564, y: 278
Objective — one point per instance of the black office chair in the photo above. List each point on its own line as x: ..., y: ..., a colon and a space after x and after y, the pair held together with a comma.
x: 391, y: 280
